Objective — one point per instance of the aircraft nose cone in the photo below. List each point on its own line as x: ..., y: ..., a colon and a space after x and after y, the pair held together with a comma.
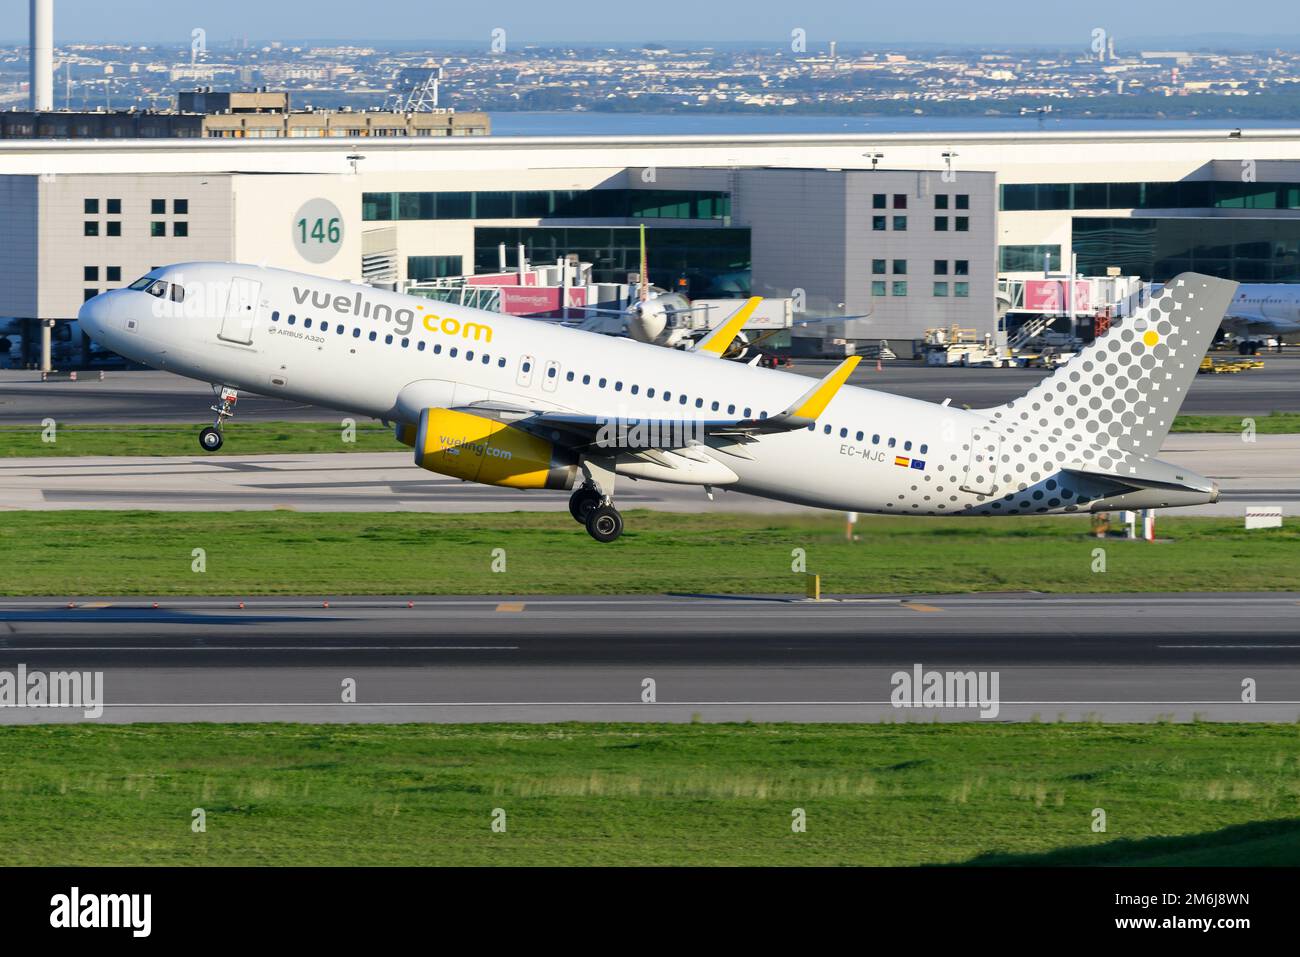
x: 92, y: 315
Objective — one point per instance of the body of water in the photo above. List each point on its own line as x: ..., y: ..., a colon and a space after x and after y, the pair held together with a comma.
x: 688, y: 124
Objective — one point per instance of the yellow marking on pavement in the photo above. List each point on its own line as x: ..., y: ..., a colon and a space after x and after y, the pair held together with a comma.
x: 99, y: 604
x: 918, y: 606
x: 510, y: 606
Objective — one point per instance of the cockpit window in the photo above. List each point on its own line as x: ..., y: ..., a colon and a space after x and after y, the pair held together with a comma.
x: 141, y: 283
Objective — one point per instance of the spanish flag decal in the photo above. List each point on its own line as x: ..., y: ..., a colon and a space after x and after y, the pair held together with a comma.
x: 905, y: 462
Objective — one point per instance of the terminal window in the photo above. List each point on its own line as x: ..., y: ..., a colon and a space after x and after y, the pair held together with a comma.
x: 113, y: 273
x: 961, y: 290
x: 961, y: 267
x: 941, y: 289
x: 1028, y: 258
x: 900, y: 201
x: 114, y: 207
x: 157, y: 229
x: 91, y: 206
x: 1245, y: 250
x: 878, y: 223
x: 900, y: 287
x: 90, y: 274
x: 422, y: 268
x: 963, y: 201
x: 878, y: 201
x: 941, y: 201
x: 180, y: 229
x: 941, y: 224
x: 878, y: 288
x: 900, y: 267
x: 900, y: 223
x: 89, y: 294
x: 941, y: 267
x: 181, y: 207
x: 114, y: 227
x: 878, y: 267
x: 158, y: 206
x: 962, y: 223
x: 90, y: 228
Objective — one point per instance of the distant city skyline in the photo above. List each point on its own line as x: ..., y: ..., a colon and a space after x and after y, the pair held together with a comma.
x: 413, y: 22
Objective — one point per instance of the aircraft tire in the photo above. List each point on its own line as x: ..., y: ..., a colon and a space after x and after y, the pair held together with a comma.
x: 581, y: 502
x: 210, y: 439
x: 604, y: 523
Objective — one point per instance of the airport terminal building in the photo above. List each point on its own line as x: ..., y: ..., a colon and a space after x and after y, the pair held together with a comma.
x: 911, y: 230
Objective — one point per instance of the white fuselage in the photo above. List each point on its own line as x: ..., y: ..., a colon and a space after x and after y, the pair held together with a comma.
x: 1268, y: 309
x: 381, y: 354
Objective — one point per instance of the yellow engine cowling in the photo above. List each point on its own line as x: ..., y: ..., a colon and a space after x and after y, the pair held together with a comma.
x: 479, y: 449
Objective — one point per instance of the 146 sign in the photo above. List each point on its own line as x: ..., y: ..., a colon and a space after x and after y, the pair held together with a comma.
x: 318, y: 230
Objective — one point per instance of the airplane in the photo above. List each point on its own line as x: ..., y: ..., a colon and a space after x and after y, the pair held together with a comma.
x: 509, y: 402
x: 668, y: 318
x: 1263, y: 309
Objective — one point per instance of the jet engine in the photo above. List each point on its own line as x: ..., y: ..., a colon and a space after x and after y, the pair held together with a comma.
x: 479, y: 449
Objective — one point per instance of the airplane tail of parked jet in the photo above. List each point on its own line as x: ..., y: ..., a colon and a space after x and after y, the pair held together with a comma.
x: 1107, y: 411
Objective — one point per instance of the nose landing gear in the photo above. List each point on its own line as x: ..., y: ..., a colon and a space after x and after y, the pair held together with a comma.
x: 210, y: 439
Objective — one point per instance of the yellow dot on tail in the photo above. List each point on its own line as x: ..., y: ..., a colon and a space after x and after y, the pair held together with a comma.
x: 1151, y: 338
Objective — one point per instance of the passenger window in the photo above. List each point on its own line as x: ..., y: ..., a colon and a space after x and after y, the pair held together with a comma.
x: 715, y: 406
x: 844, y: 433
x: 618, y: 387
x: 550, y: 373
x: 356, y: 334
x: 892, y: 441
x: 419, y: 346
x: 907, y: 446
x: 451, y: 352
x: 748, y: 413
x: 731, y: 410
x: 526, y: 367
x: 469, y: 355
x: 858, y: 437
x: 501, y: 363
x: 306, y: 323
x: 924, y: 448
x: 586, y: 380
x: 568, y: 377
x: 293, y: 319
x: 635, y: 389
x: 827, y: 430
x: 388, y: 339
x: 699, y: 403
x: 405, y: 343
x: 875, y: 440
x: 681, y: 400
x: 275, y: 316
x: 339, y: 329
x: 601, y: 383
x: 373, y: 335
x: 487, y: 360
x: 650, y: 392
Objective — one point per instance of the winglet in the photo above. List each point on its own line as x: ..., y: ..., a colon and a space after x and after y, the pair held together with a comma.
x: 717, y: 341
x: 813, y: 402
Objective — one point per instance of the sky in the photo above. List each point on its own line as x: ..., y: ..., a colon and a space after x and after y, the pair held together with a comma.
x: 966, y: 22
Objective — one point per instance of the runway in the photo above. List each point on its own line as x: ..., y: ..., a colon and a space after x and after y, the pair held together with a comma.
x: 710, y: 658
x: 147, y: 396
x: 1263, y: 472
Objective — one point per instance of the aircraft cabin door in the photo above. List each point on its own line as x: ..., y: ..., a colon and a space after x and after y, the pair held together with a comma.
x: 982, y: 464
x: 241, y: 311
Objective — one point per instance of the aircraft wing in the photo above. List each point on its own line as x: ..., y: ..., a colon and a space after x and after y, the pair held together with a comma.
x: 615, y: 432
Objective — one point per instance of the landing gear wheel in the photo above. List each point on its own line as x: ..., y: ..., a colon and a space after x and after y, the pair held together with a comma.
x: 604, y: 523
x: 581, y: 502
x: 210, y: 439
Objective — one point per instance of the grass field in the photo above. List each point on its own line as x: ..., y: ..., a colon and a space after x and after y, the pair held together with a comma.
x: 260, y: 553
x: 260, y: 438
x: 1275, y: 423
x: 650, y: 794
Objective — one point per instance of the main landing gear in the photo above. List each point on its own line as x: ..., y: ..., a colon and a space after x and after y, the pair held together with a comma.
x: 210, y: 439
x: 592, y: 507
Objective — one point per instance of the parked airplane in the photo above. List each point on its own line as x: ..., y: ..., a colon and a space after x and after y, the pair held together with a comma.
x: 515, y: 403
x: 1263, y: 310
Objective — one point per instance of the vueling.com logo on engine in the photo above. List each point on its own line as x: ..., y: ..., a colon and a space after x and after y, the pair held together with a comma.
x: 402, y: 318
